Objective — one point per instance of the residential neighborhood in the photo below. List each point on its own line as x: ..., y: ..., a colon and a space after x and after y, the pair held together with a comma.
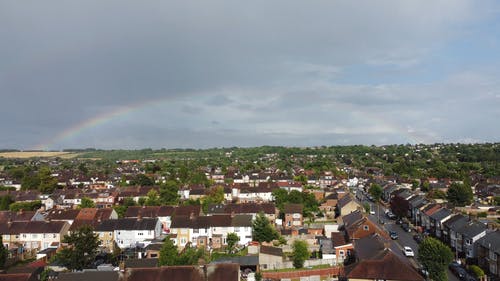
x: 349, y: 232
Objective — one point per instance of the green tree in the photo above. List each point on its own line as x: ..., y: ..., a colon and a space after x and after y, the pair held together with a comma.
x: 87, y: 203
x: 263, y: 230
x: 232, y: 239
x: 460, y: 194
x: 5, y: 202
x: 3, y: 254
x: 48, y: 183
x: 170, y: 256
x: 168, y: 253
x: 435, y: 257
x: 478, y: 272
x: 152, y: 198
x: 27, y: 206
x: 81, y: 250
x: 376, y: 191
x: 122, y: 208
x: 280, y: 197
x: 142, y: 180
x: 299, y: 253
x: 169, y: 193
x: 215, y: 196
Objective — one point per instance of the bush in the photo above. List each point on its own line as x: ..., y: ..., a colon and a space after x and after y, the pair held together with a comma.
x: 476, y: 270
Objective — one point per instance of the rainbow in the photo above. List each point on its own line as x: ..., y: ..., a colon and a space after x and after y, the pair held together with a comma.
x: 98, y: 120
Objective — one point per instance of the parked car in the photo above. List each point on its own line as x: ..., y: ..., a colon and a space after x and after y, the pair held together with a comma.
x: 408, y: 251
x: 406, y: 227
x: 458, y: 270
x: 390, y: 215
x: 393, y: 235
x: 418, y: 238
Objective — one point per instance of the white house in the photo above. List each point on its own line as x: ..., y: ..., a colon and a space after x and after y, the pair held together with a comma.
x: 130, y: 232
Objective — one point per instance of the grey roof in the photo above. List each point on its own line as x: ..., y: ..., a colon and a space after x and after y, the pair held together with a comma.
x: 417, y: 201
x: 344, y: 201
x: 141, y: 263
x: 370, y: 247
x: 242, y: 261
x: 441, y: 214
x: 456, y: 222
x: 351, y: 218
x: 89, y: 275
x: 326, y: 245
x: 472, y: 229
x: 491, y: 241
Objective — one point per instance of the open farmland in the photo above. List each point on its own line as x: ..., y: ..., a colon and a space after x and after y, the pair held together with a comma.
x: 38, y: 154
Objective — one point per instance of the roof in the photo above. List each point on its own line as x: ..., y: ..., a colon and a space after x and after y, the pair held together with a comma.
x: 127, y: 224
x: 491, y: 241
x: 215, y: 272
x: 472, y: 228
x: 293, y: 208
x: 141, y: 263
x: 211, y: 221
x: 352, y: 218
x: 66, y: 214
x: 269, y: 250
x: 344, y: 201
x: 241, y: 260
x: 383, y: 269
x: 248, y: 208
x: 16, y: 277
x: 370, y: 247
x: 89, y: 275
x: 456, y: 222
x: 16, y: 216
x: 441, y: 214
x: 32, y: 227
x: 338, y: 239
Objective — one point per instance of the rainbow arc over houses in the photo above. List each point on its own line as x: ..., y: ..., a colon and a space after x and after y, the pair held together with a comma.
x: 80, y: 128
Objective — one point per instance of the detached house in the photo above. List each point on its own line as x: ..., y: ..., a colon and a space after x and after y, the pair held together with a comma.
x: 357, y: 225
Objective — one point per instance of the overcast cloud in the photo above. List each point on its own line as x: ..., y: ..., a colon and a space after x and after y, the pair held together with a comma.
x: 248, y: 73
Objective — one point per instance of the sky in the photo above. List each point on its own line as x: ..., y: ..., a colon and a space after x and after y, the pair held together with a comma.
x: 198, y: 74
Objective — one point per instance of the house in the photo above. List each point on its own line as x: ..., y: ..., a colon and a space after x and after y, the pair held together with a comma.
x: 347, y: 205
x: 488, y: 252
x: 468, y: 235
x: 374, y: 260
x: 163, y: 213
x: 415, y: 204
x: 343, y: 248
x: 211, y: 231
x: 357, y: 225
x: 268, y: 209
x: 388, y: 190
x: 400, y: 202
x: 92, y: 217
x: 426, y: 213
x: 68, y: 215
x: 293, y: 215
x: 128, y: 232
x: 437, y: 219
x: 450, y: 228
x: 33, y: 235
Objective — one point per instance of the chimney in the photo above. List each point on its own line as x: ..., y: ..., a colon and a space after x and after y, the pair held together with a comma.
x: 139, y: 217
x: 232, y: 214
x: 191, y: 216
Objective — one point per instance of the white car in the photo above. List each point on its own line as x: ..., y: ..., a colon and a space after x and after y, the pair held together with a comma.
x: 372, y: 212
x: 408, y: 252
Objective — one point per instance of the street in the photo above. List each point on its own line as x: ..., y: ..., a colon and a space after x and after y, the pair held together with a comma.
x: 404, y: 238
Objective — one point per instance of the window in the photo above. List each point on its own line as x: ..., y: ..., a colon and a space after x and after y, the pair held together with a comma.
x: 196, y: 230
x: 468, y: 242
x: 341, y: 253
x: 365, y: 227
x: 140, y: 234
x: 24, y: 235
x: 236, y: 229
x: 153, y: 256
x: 493, y: 255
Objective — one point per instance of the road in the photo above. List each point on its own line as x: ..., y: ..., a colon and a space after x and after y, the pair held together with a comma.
x: 404, y: 238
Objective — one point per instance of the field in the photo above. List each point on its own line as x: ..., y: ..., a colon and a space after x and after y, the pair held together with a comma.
x: 38, y: 154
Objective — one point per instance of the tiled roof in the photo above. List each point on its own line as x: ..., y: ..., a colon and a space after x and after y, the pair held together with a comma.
x: 127, y: 224
x: 293, y: 208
